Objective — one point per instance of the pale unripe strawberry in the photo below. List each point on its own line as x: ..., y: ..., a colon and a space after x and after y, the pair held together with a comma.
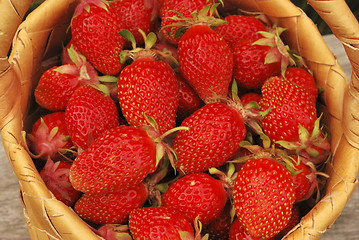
x: 49, y: 138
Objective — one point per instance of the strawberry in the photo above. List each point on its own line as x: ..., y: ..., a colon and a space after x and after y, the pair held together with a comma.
x: 206, y: 62
x: 159, y: 223
x: 57, y: 84
x: 148, y: 86
x: 95, y: 31
x: 302, y: 181
x: 122, y: 157
x: 71, y: 55
x: 250, y: 97
x: 162, y: 45
x: 56, y: 177
x: 111, y: 208
x: 239, y: 27
x: 218, y: 229
x: 290, y: 106
x: 196, y: 194
x: 237, y: 232
x: 250, y: 69
x: 213, y: 138
x: 256, y: 59
x: 114, y: 232
x: 306, y: 178
x: 49, y: 138
x: 189, y: 101
x: 172, y: 9
x: 314, y: 146
x: 89, y: 112
x: 65, y: 58
x: 303, y: 78
x: 136, y: 14
x: 293, y: 221
x: 263, y: 197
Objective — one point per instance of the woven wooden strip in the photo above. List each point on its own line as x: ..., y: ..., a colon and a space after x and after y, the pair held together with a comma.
x: 11, y: 15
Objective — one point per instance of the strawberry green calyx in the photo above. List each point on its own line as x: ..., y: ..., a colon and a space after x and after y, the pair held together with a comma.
x: 46, y: 142
x: 279, y: 52
x: 108, y: 79
x: 162, y: 148
x: 102, y: 88
x: 148, y: 51
x: 184, y: 235
x: 268, y: 150
x: 204, y: 16
x: 137, y: 52
x: 114, y: 232
x: 227, y: 178
x: 77, y: 58
x: 315, y: 144
x: 68, y: 69
x: 250, y: 113
x: 85, y: 6
x: 198, y: 226
x: 85, y: 71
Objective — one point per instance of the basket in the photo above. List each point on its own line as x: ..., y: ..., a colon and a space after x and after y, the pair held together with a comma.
x: 11, y: 15
x: 36, y: 47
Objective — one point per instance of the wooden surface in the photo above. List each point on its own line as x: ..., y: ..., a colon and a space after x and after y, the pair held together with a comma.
x: 13, y: 227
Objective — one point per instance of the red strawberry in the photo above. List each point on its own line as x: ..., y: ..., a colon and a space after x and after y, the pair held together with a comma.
x: 169, y: 49
x: 239, y: 27
x: 197, y: 195
x: 159, y: 223
x: 250, y: 69
x: 303, y: 78
x: 111, y: 208
x: 314, y: 146
x: 56, y: 178
x: 218, y: 229
x: 49, y: 137
x: 206, y: 62
x: 148, y: 86
x: 306, y: 178
x: 95, y: 31
x: 290, y: 106
x: 136, y: 14
x: 257, y: 59
x: 121, y: 158
x: 303, y: 181
x: 294, y: 220
x: 189, y: 101
x: 57, y: 84
x: 250, y: 97
x: 89, y: 113
x: 263, y: 197
x: 237, y: 232
x: 213, y: 138
x: 177, y: 8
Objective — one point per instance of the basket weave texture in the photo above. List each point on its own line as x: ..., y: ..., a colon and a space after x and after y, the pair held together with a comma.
x: 11, y: 15
x: 36, y: 46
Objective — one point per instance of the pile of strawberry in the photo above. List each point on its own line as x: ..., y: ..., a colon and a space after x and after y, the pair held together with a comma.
x: 177, y: 119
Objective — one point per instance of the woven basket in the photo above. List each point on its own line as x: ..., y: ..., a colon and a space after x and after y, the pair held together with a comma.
x: 11, y: 15
x: 36, y: 47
